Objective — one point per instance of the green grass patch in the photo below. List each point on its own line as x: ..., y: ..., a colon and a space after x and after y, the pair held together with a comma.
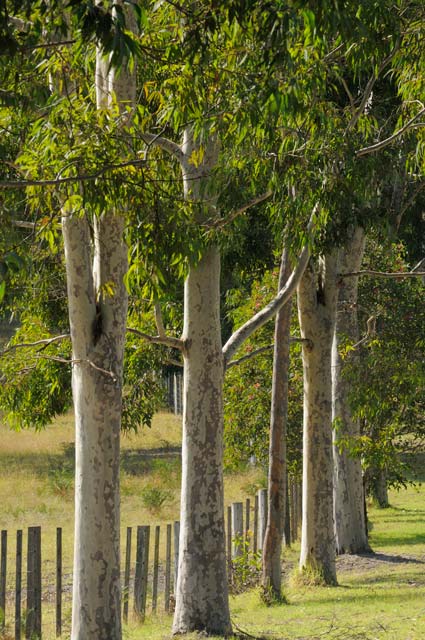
x: 379, y: 596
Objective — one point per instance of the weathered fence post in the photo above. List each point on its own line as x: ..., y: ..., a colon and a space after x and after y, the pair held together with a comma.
x: 167, y: 589
x: 255, y: 527
x: 262, y: 517
x: 126, y: 593
x: 237, y: 529
x: 58, y: 581
x: 229, y: 543
x: 18, y: 584
x: 288, y: 523
x: 293, y: 511
x: 247, y: 520
x: 141, y: 573
x: 300, y: 503
x: 3, y: 574
x: 33, y: 616
x: 155, y: 570
x: 176, y: 553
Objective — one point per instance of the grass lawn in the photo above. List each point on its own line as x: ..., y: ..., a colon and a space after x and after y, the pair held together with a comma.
x: 379, y: 597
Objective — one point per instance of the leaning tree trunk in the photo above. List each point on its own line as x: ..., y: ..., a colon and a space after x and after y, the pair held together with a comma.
x: 97, y: 332
x: 316, y: 308
x: 350, y: 525
x: 277, y: 478
x: 202, y: 594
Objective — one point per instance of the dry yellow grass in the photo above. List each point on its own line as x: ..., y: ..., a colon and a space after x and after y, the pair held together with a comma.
x: 36, y: 486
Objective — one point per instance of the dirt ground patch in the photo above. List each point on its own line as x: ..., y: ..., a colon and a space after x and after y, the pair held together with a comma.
x: 373, y: 561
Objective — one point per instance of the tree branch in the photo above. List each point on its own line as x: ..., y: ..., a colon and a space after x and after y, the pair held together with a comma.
x: 284, y: 295
x: 85, y: 177
x: 411, y: 124
x: 399, y: 275
x: 260, y: 350
x: 91, y: 364
x: 218, y: 224
x: 159, y: 321
x: 45, y: 342
x: 369, y: 87
x: 23, y: 224
x: 166, y: 144
x: 167, y: 341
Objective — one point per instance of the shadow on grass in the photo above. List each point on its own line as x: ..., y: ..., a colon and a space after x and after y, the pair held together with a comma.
x: 399, y: 540
x: 403, y: 579
x: 344, y: 594
x: 393, y: 559
x: 133, y: 462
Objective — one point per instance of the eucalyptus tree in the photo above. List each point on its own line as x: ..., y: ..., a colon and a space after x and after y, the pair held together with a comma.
x: 349, y: 500
x: 96, y: 263
x: 201, y: 601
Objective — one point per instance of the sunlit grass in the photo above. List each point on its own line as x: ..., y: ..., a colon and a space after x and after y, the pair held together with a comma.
x: 383, y: 599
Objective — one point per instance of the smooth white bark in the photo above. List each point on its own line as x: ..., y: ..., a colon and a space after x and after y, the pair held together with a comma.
x: 96, y: 264
x: 202, y: 598
x: 316, y: 309
x: 97, y: 331
x: 202, y: 595
x: 349, y: 514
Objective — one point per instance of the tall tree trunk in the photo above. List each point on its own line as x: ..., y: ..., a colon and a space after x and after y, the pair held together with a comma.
x: 202, y: 594
x: 350, y: 526
x: 202, y: 598
x: 98, y: 302
x: 316, y: 308
x: 97, y: 330
x: 277, y: 477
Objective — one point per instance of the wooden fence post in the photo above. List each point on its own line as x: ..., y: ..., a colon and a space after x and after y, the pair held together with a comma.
x: 176, y: 554
x: 229, y: 544
x: 167, y: 588
x: 294, y: 524
x: 126, y: 594
x: 58, y: 581
x: 3, y: 574
x: 141, y: 573
x: 33, y: 619
x: 155, y: 570
x: 287, y: 523
x: 262, y: 517
x: 300, y: 503
x: 255, y: 527
x: 18, y: 584
x: 237, y: 529
x: 247, y: 520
